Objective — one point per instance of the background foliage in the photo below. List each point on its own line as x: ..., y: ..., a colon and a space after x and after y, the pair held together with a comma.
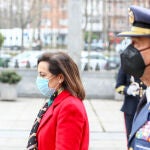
x: 10, y: 77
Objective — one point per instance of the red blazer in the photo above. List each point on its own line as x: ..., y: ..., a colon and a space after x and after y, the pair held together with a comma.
x: 64, y: 126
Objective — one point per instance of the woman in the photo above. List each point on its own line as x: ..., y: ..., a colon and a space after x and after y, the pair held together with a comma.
x: 62, y: 123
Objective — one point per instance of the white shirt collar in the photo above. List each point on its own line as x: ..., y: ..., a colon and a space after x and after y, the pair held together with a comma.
x: 148, y: 94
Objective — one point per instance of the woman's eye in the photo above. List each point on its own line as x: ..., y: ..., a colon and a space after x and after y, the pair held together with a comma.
x: 42, y: 75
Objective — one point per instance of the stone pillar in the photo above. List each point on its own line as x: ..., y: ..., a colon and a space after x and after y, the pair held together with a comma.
x: 75, y: 40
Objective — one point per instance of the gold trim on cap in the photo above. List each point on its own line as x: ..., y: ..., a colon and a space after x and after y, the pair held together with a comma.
x: 140, y: 30
x: 135, y: 31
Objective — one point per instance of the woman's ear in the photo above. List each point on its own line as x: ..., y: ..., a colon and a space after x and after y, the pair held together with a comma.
x: 61, y: 78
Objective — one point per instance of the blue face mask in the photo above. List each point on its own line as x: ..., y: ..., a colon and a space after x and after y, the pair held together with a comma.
x: 43, y: 87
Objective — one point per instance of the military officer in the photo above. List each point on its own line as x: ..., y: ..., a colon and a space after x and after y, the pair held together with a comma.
x: 135, y: 60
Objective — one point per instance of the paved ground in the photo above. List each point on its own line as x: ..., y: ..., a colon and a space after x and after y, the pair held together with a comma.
x: 105, y: 118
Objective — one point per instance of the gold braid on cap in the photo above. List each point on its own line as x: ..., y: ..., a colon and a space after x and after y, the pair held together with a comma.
x: 131, y: 16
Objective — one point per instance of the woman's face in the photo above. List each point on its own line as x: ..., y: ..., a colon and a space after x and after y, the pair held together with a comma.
x: 44, y: 73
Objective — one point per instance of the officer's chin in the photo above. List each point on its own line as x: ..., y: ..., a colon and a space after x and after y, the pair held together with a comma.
x: 146, y: 82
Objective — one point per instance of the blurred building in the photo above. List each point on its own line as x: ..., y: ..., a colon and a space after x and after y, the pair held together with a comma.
x: 92, y: 15
x: 143, y: 3
x: 106, y: 18
x: 117, y: 13
x: 48, y: 19
x: 54, y: 21
x: 116, y: 17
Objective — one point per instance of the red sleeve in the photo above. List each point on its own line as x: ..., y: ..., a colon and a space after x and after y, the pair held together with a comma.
x: 69, y: 128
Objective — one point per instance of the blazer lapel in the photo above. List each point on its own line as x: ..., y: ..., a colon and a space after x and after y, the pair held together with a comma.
x: 50, y: 110
x: 139, y: 121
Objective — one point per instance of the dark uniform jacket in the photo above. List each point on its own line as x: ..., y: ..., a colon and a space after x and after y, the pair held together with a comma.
x: 130, y: 102
x: 139, y: 138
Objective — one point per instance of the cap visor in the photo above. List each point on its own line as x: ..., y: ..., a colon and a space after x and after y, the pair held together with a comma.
x: 132, y: 34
